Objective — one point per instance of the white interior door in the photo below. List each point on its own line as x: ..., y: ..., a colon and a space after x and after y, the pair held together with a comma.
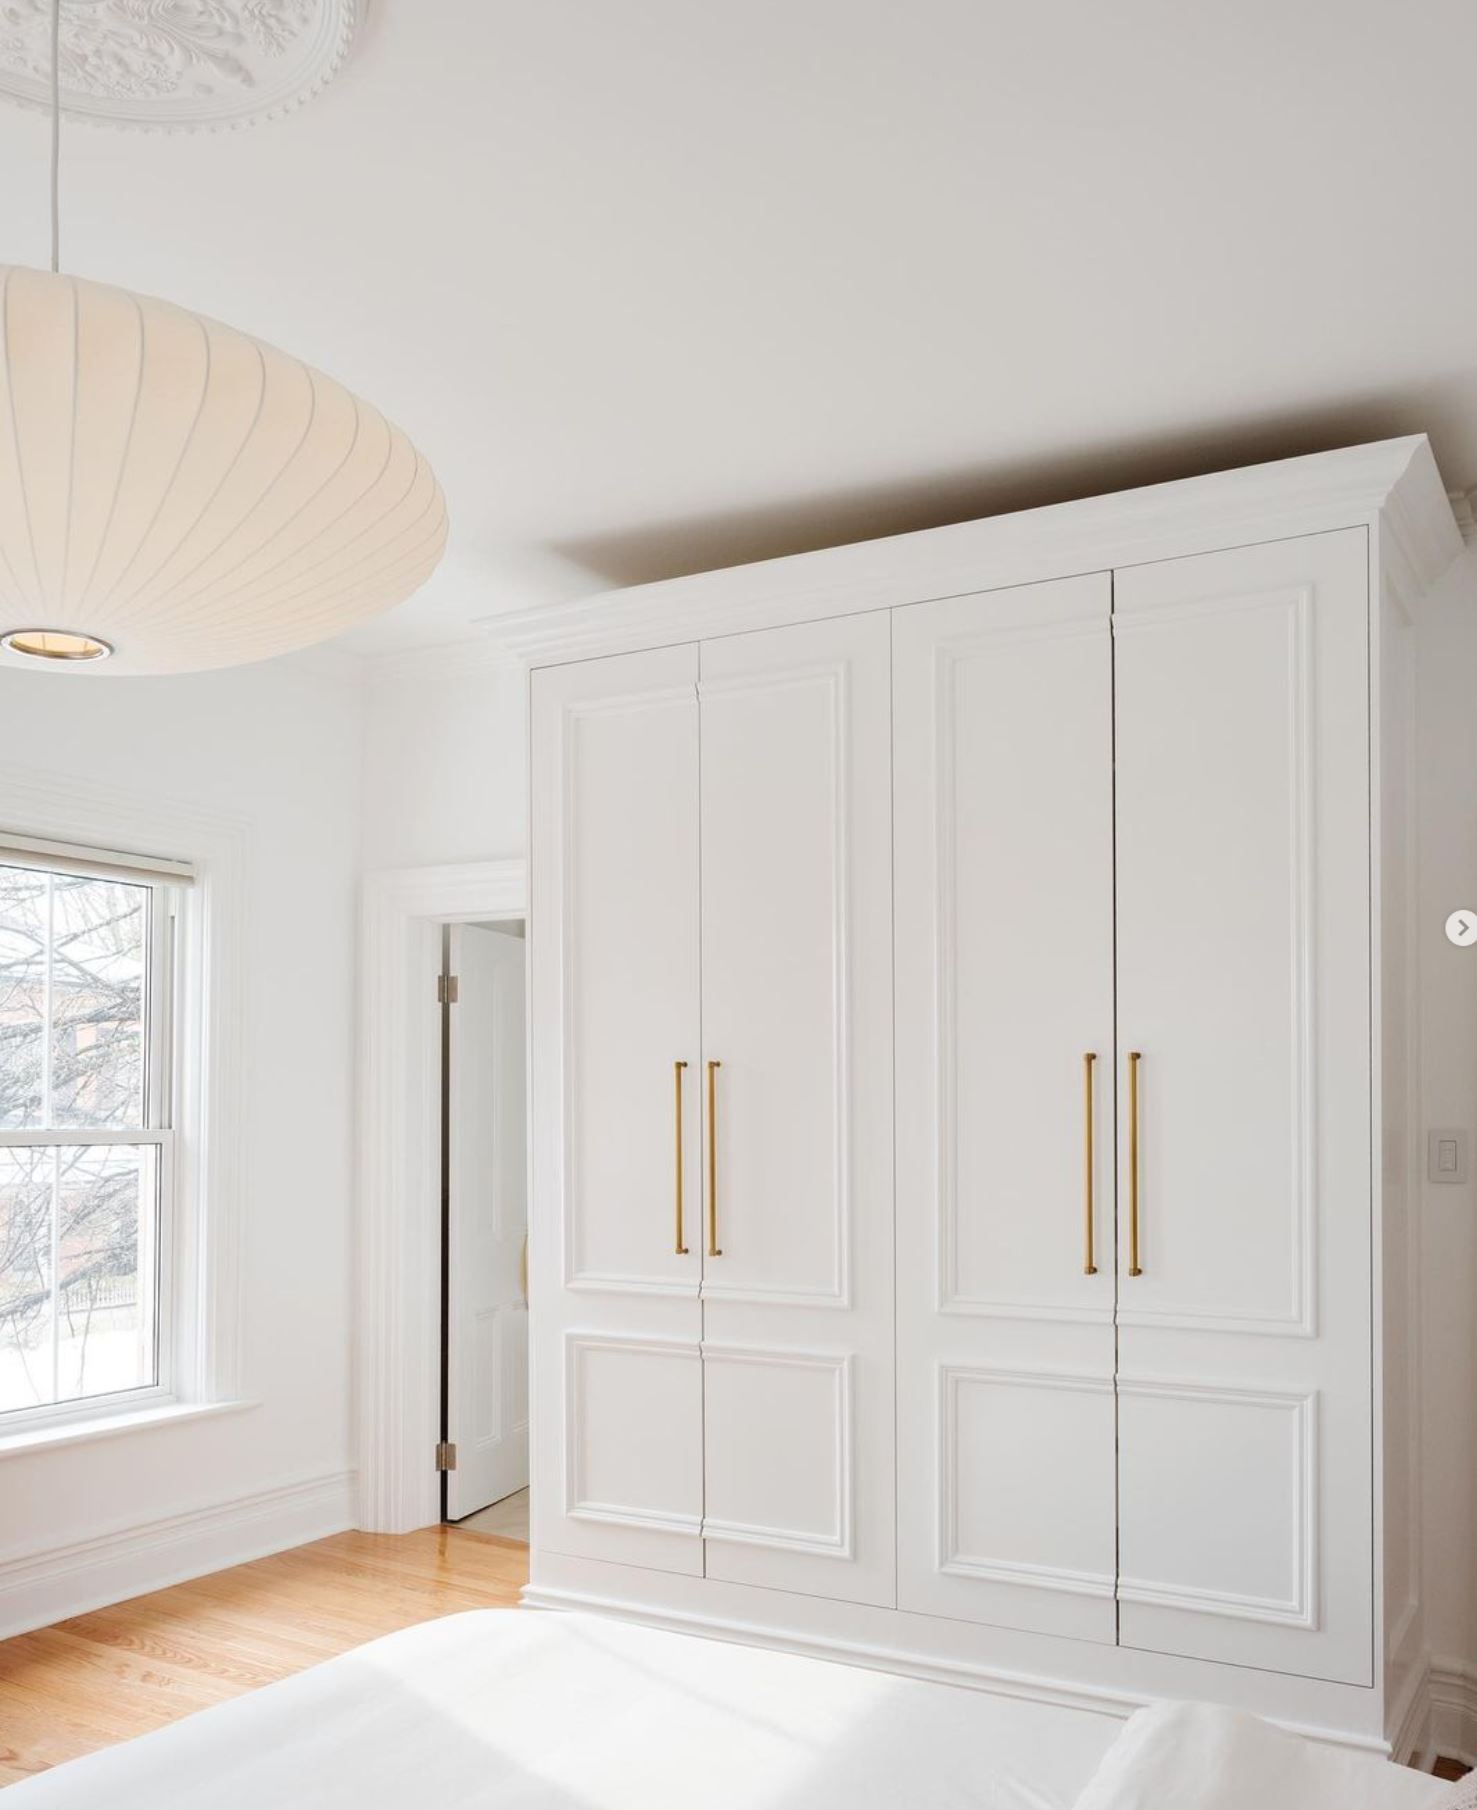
x: 797, y: 1011
x: 616, y: 1318
x: 1243, y: 987
x: 487, y: 1221
x: 1003, y: 771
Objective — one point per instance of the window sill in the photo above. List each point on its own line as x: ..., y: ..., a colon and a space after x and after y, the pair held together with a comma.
x: 108, y: 1426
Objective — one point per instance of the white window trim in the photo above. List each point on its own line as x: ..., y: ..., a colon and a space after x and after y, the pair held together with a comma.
x: 87, y: 1428
x: 202, y: 1368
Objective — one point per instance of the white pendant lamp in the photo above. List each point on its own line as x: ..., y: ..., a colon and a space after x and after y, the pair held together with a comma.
x: 175, y: 495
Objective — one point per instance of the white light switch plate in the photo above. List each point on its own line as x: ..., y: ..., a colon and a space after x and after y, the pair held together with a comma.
x: 1446, y: 1155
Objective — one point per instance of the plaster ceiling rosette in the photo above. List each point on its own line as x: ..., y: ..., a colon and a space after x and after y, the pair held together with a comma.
x: 175, y: 65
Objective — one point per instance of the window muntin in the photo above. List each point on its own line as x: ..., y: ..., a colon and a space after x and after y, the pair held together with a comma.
x: 85, y: 1145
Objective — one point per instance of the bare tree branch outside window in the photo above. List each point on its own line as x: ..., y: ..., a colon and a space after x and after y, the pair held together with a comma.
x: 78, y: 1197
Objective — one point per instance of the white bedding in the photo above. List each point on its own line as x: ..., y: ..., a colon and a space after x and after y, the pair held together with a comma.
x: 512, y: 1710
x: 508, y: 1710
x: 1197, y: 1756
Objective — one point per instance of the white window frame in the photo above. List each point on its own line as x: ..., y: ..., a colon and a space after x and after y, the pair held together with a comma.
x: 213, y: 1158
x: 166, y: 882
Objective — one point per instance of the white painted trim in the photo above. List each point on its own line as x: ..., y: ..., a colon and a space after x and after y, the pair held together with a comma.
x: 1394, y: 481
x: 1438, y: 1718
x: 998, y: 1680
x: 84, y: 1430
x: 1451, y: 1699
x: 1464, y: 509
x: 1408, y: 1727
x: 398, y: 1321
x: 212, y: 1160
x: 38, y: 1588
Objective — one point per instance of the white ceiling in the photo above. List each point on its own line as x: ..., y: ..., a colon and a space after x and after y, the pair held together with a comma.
x: 666, y: 284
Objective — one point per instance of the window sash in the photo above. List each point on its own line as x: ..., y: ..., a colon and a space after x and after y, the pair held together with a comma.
x: 162, y: 1389
x: 99, y: 863
x: 158, y: 1008
x: 158, y: 1136
x: 159, y: 1089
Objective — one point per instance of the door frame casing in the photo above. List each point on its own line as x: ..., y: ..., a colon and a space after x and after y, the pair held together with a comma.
x: 397, y: 1366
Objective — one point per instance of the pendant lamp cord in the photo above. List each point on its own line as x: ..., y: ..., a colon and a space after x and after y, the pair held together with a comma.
x: 56, y: 132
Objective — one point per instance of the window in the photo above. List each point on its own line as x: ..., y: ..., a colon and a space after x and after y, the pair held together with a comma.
x: 86, y: 1140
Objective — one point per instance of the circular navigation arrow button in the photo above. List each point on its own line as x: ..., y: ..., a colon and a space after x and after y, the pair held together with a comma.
x: 1461, y: 928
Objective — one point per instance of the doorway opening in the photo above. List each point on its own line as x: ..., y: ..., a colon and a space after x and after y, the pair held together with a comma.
x: 483, y: 1453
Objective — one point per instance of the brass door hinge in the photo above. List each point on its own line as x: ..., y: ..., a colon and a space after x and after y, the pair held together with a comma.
x: 446, y: 990
x: 445, y: 1456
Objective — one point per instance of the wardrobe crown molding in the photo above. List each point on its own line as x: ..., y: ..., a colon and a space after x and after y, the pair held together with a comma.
x: 1390, y: 482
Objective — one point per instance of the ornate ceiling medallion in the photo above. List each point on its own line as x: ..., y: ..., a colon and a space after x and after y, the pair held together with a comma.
x: 175, y: 65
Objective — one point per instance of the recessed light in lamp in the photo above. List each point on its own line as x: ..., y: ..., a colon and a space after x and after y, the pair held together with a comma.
x: 54, y: 644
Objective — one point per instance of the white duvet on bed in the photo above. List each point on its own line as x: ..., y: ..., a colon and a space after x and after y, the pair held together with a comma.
x: 1197, y: 1756
x: 511, y: 1710
x: 507, y: 1710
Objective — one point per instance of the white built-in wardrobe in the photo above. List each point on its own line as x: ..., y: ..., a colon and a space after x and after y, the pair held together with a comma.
x: 973, y: 1128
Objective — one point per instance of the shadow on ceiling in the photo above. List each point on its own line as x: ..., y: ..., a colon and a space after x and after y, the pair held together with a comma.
x: 674, y: 549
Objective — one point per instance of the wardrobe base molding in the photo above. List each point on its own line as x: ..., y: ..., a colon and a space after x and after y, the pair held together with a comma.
x: 1109, y: 1681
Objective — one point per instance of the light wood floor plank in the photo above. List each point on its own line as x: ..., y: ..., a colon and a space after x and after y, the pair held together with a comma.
x: 118, y: 1672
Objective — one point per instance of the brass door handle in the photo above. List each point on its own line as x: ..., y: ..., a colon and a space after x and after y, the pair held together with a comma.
x: 1089, y: 1268
x: 677, y: 1068
x: 713, y: 1246
x: 1134, y: 1059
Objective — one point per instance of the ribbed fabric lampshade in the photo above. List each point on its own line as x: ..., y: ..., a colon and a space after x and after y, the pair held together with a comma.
x: 186, y: 494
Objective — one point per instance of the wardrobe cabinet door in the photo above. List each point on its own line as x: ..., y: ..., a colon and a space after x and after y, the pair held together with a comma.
x: 1244, y: 990
x: 797, y: 1016
x: 1004, y: 955
x: 615, y: 1314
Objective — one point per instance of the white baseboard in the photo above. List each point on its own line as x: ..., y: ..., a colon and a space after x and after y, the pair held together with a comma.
x: 1440, y: 1721
x: 1409, y: 1717
x: 39, y: 1588
x: 1451, y: 1696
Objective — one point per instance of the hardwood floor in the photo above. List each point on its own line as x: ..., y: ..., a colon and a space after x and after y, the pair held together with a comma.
x: 118, y: 1672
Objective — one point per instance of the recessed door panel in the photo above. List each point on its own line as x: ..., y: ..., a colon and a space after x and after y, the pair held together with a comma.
x: 1005, y: 1518
x: 796, y: 954
x: 777, y: 971
x: 1004, y: 957
x: 1241, y: 727
x: 628, y: 1459
x: 778, y: 1449
x: 1216, y: 874
x: 629, y: 910
x: 1180, y: 1548
x: 616, y: 1260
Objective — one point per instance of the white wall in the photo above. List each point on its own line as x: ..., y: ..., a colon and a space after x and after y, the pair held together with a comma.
x: 1447, y: 703
x: 445, y: 759
x: 281, y: 745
